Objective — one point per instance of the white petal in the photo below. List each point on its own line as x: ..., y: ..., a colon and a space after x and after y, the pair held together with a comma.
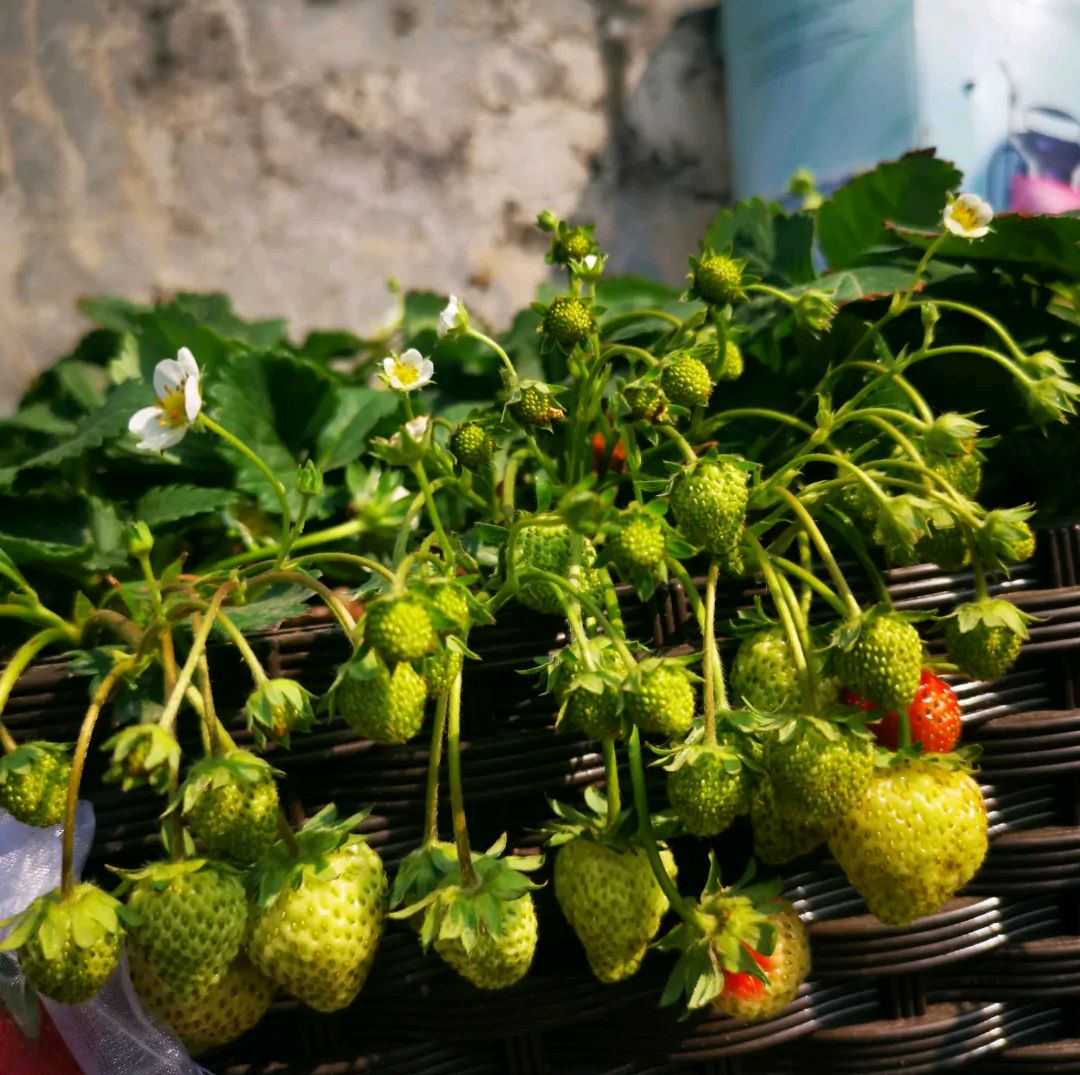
x: 389, y: 365
x: 412, y: 357
x: 427, y: 370
x: 159, y: 437
x: 192, y: 398
x: 141, y: 419
x: 168, y: 374
x: 186, y: 361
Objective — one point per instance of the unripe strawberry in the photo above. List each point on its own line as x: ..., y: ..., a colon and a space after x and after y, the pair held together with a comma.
x: 535, y: 407
x: 639, y: 544
x: 399, y: 628
x: 661, y: 701
x: 472, y: 445
x: 984, y: 652
x: 884, y: 663
x: 645, y: 402
x: 732, y: 365
x: 596, y: 713
x: 451, y: 600
x: 550, y: 548
x: 717, y: 279
x: 709, y: 502
x: 763, y: 673
x: 496, y: 962
x: 385, y: 706
x: 568, y: 321
x: 1023, y: 548
x: 779, y: 835
x: 573, y: 244
x: 440, y: 671
x: 687, y: 382
x: 708, y: 790
x: 34, y: 783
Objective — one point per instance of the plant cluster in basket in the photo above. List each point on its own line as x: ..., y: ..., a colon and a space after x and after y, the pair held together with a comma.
x: 786, y: 429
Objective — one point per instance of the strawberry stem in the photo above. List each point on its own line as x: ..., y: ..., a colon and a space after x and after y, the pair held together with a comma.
x: 78, y: 761
x: 611, y: 784
x: 331, y: 599
x: 19, y: 662
x: 457, y: 796
x: 258, y: 673
x: 431, y: 795
x: 709, y: 653
x: 684, y: 445
x: 698, y: 608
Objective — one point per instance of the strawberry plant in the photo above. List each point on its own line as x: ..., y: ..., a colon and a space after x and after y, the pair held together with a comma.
x: 774, y: 430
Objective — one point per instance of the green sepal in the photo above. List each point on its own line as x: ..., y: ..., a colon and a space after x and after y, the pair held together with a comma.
x: 157, y: 767
x: 992, y: 612
x: 276, y: 708
x: 26, y: 756
x: 87, y: 916
x: 160, y: 875
x: 238, y: 767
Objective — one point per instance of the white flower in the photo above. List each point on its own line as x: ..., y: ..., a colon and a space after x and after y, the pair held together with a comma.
x: 416, y: 428
x: 968, y: 216
x: 409, y: 371
x: 176, y: 385
x: 454, y: 318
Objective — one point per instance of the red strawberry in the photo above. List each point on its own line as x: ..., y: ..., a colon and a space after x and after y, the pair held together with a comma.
x: 47, y: 1052
x: 743, y: 985
x: 933, y: 716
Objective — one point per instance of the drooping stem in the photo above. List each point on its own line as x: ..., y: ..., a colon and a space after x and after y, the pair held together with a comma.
x: 684, y: 446
x: 78, y: 761
x: 823, y: 550
x: 347, y: 529
x: 264, y: 469
x: 991, y: 322
x: 640, y: 315
x: 457, y: 794
x: 344, y: 558
x: 18, y: 664
x: 497, y: 348
x: 812, y: 583
x: 433, y: 511
x: 709, y: 653
x: 258, y: 673
x: 431, y: 797
x: 679, y: 903
x: 331, y: 599
x: 611, y: 784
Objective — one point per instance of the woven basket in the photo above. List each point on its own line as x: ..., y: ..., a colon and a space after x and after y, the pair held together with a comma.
x: 990, y: 983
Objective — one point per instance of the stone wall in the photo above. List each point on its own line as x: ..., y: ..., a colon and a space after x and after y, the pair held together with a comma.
x: 297, y: 153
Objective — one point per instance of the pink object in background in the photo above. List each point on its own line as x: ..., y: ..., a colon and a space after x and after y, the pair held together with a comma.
x: 1033, y: 194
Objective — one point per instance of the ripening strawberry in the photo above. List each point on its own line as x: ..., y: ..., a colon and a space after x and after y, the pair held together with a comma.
x: 387, y: 707
x: 34, y: 783
x: 209, y: 1013
x: 319, y: 918
x: 933, y: 717
x: 819, y: 777
x: 536, y: 406
x: 399, y: 628
x: 709, y: 501
x: 612, y: 901
x: 497, y: 959
x: 189, y: 919
x: 746, y: 997
x: 763, y: 673
x: 913, y: 840
x: 885, y: 661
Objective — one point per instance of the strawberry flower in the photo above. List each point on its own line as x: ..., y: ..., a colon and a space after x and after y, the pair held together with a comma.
x: 968, y: 216
x: 454, y: 319
x: 165, y: 423
x: 409, y: 371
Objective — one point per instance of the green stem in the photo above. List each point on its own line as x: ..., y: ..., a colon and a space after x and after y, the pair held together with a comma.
x: 457, y: 795
x: 497, y: 348
x: 812, y: 583
x: 759, y: 412
x: 210, y: 721
x: 316, y: 537
x: 709, y: 653
x: 972, y: 349
x: 362, y: 562
x: 611, y: 783
x: 331, y: 599
x: 930, y: 251
x: 992, y: 322
x: 822, y: 546
x: 640, y: 315
x: 773, y: 292
x: 799, y: 620
x: 78, y: 761
x: 244, y: 450
x: 688, y: 453
x: 258, y: 673
x: 630, y: 352
x: 431, y: 795
x: 42, y: 617
x: 295, y: 530
x: 20, y: 661
x: 679, y: 903
x: 433, y: 511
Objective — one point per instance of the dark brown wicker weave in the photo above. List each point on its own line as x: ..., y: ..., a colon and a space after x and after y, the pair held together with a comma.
x: 991, y: 983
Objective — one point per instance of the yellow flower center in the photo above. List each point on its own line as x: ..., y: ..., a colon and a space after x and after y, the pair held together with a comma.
x: 173, y: 408
x: 965, y: 216
x: 405, y: 373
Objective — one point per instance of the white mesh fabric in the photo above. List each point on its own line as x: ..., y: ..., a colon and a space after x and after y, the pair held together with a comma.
x: 109, y: 1035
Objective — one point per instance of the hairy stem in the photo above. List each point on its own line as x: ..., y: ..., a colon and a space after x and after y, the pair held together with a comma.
x: 457, y: 795
x: 431, y: 796
x: 20, y: 661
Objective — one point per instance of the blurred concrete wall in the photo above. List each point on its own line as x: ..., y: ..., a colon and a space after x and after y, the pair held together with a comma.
x: 296, y: 153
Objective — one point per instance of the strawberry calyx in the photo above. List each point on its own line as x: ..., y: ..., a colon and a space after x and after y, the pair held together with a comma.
x: 240, y: 768
x: 143, y: 754
x: 87, y: 915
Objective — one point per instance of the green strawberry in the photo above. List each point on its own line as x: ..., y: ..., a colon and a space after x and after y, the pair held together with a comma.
x: 453, y: 602
x: 686, y: 382
x: 660, y: 697
x: 746, y: 997
x: 208, y: 1014
x: 763, y: 673
x: 440, y: 671
x: 319, y: 913
x: 142, y: 754
x: 945, y: 546
x: 709, y: 501
x: 34, y: 783
x: 1022, y: 548
x: 612, y: 901
x: 963, y: 472
x: 572, y: 244
x: 230, y: 804
x: 779, y: 835
x: 644, y: 400
x: 399, y: 628
x: 639, y: 543
x: 716, y: 279
x: 496, y: 961
x: 190, y: 919
x: 70, y: 945
x: 536, y: 405
x: 708, y: 787
x: 819, y: 771
x: 549, y: 548
x: 568, y: 321
x: 731, y: 368
x: 594, y: 712
x: 378, y: 704
x: 472, y: 445
x: 985, y: 637
x: 915, y: 837
x: 884, y: 662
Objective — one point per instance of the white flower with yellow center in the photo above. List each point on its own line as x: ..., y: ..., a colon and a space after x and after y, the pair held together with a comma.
x: 409, y: 371
x: 415, y: 428
x: 176, y: 385
x: 968, y: 216
x: 453, y: 319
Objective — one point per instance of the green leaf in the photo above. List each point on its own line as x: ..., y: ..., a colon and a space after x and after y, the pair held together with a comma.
x: 776, y: 245
x: 356, y: 411
x: 323, y: 346
x: 912, y: 190
x: 168, y: 503
x: 284, y: 603
x: 112, y: 313
x: 215, y: 311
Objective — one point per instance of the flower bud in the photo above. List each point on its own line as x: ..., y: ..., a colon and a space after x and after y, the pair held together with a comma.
x: 309, y: 479
x: 138, y: 539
